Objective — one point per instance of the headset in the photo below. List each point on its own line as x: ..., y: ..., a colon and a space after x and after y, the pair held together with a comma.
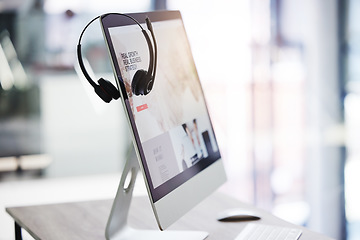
x: 142, y: 82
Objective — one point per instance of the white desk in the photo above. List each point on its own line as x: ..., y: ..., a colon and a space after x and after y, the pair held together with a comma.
x: 87, y: 220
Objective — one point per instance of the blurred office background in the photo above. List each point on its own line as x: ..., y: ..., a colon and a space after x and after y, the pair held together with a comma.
x: 281, y: 78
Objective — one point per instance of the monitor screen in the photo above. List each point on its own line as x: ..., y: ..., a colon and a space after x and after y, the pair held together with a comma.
x: 171, y: 126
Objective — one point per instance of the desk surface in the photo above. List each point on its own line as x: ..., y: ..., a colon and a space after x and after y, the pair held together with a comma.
x: 87, y: 220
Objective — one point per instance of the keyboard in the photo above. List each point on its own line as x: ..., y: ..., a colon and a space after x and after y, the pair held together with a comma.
x: 255, y: 231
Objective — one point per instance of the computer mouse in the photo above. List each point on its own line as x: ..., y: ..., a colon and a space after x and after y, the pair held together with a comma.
x: 236, y: 215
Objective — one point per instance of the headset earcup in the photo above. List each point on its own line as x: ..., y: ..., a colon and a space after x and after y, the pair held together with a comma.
x: 109, y: 88
x: 138, y: 83
x: 102, y: 94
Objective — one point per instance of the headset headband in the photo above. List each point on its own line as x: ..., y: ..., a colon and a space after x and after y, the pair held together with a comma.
x: 150, y: 74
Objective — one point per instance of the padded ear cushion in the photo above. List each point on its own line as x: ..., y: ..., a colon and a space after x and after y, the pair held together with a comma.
x: 138, y: 83
x: 109, y: 88
x: 102, y: 94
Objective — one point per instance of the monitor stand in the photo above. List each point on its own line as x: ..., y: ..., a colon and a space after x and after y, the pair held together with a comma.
x: 117, y: 227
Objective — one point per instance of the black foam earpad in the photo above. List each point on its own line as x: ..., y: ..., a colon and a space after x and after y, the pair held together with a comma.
x: 109, y: 88
x: 102, y: 94
x: 139, y: 82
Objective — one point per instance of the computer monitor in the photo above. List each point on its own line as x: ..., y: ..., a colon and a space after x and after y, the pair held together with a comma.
x: 171, y: 128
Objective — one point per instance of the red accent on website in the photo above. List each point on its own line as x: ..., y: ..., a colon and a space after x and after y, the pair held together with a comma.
x: 141, y: 107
